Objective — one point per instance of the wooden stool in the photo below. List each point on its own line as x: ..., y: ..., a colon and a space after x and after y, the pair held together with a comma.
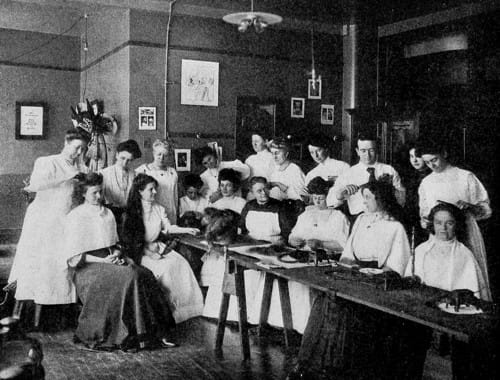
x: 18, y: 308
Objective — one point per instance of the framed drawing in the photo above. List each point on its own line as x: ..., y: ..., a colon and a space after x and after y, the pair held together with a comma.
x: 147, y: 118
x: 297, y: 106
x: 182, y: 160
x: 314, y: 89
x: 200, y: 83
x: 327, y: 114
x: 31, y: 120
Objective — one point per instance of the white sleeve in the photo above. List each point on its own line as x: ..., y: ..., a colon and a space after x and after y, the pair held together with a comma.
x: 331, y: 198
x: 297, y: 183
x: 478, y: 196
x: 45, y: 175
x: 400, y: 251
x: 400, y: 192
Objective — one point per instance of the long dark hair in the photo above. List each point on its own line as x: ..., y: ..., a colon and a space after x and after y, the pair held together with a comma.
x: 384, y: 195
x: 82, y: 183
x: 133, y: 230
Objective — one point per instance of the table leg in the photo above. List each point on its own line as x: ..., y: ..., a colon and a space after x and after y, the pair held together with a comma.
x: 286, y: 309
x: 242, y: 311
x: 266, y: 301
x: 221, y: 323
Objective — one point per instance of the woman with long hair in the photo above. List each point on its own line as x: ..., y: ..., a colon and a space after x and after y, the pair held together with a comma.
x: 122, y: 305
x: 39, y: 267
x: 145, y: 234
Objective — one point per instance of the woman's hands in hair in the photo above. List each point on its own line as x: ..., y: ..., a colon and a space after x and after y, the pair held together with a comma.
x: 475, y: 210
x: 347, y: 191
x: 115, y: 258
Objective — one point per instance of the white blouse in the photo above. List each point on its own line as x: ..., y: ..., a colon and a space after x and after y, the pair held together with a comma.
x: 324, y: 225
x: 198, y: 205
x: 293, y: 177
x: 328, y: 168
x: 116, y: 185
x: 167, y: 194
x: 375, y: 237
x: 234, y: 203
x: 261, y: 164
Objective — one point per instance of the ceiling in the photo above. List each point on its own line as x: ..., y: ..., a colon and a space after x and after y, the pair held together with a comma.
x: 55, y: 16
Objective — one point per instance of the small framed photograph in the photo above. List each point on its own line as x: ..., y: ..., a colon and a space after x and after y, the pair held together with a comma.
x: 297, y: 106
x: 147, y: 118
x: 314, y: 89
x: 327, y: 114
x: 182, y: 160
x: 31, y: 120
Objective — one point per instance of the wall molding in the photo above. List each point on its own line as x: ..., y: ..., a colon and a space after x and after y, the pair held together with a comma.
x: 195, y: 135
x: 37, y: 66
x: 133, y: 43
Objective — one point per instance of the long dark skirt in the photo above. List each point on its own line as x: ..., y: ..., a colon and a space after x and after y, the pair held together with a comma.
x: 121, y: 305
x: 353, y: 341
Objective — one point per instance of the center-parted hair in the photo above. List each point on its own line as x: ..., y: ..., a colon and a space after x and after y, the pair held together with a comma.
x: 455, y: 212
x: 133, y: 229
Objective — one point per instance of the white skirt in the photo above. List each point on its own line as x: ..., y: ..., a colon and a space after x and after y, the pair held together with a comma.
x: 177, y: 279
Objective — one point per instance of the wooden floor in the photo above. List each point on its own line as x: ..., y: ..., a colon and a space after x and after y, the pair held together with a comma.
x: 193, y: 359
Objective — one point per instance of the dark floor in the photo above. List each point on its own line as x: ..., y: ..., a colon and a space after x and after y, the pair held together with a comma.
x: 193, y: 359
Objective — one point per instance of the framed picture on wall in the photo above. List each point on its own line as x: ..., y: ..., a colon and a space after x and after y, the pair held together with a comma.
x: 297, y: 106
x: 314, y: 89
x: 147, y: 118
x: 182, y: 160
x: 31, y: 120
x: 200, y: 83
x: 327, y: 114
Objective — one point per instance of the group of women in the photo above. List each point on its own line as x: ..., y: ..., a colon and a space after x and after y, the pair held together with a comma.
x: 120, y: 261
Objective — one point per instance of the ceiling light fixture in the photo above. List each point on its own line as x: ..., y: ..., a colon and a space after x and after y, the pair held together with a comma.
x: 259, y: 20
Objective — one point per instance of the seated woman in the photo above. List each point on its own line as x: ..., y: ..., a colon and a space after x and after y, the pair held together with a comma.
x: 122, y: 304
x: 443, y: 261
x: 378, y: 239
x: 207, y: 157
x: 229, y: 184
x: 319, y: 226
x: 353, y: 340
x: 144, y: 232
x: 222, y: 229
x: 264, y: 218
x: 193, y: 200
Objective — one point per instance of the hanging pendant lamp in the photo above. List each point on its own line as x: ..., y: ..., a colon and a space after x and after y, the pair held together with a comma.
x: 259, y: 20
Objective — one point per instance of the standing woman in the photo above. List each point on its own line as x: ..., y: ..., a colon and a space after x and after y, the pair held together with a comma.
x: 117, y: 178
x: 166, y: 176
x: 411, y: 181
x: 327, y: 168
x: 145, y: 230
x: 287, y: 180
x: 448, y: 183
x: 39, y: 268
x: 261, y: 163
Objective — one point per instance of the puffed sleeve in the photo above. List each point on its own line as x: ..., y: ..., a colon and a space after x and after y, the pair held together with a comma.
x: 399, y: 253
x: 423, y: 203
x: 340, y: 228
x: 165, y: 222
x: 400, y: 192
x: 296, y: 183
x: 299, y: 231
x: 478, y: 196
x: 331, y: 198
x: 47, y: 175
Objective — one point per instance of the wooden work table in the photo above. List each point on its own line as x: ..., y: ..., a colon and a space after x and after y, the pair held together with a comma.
x: 416, y: 304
